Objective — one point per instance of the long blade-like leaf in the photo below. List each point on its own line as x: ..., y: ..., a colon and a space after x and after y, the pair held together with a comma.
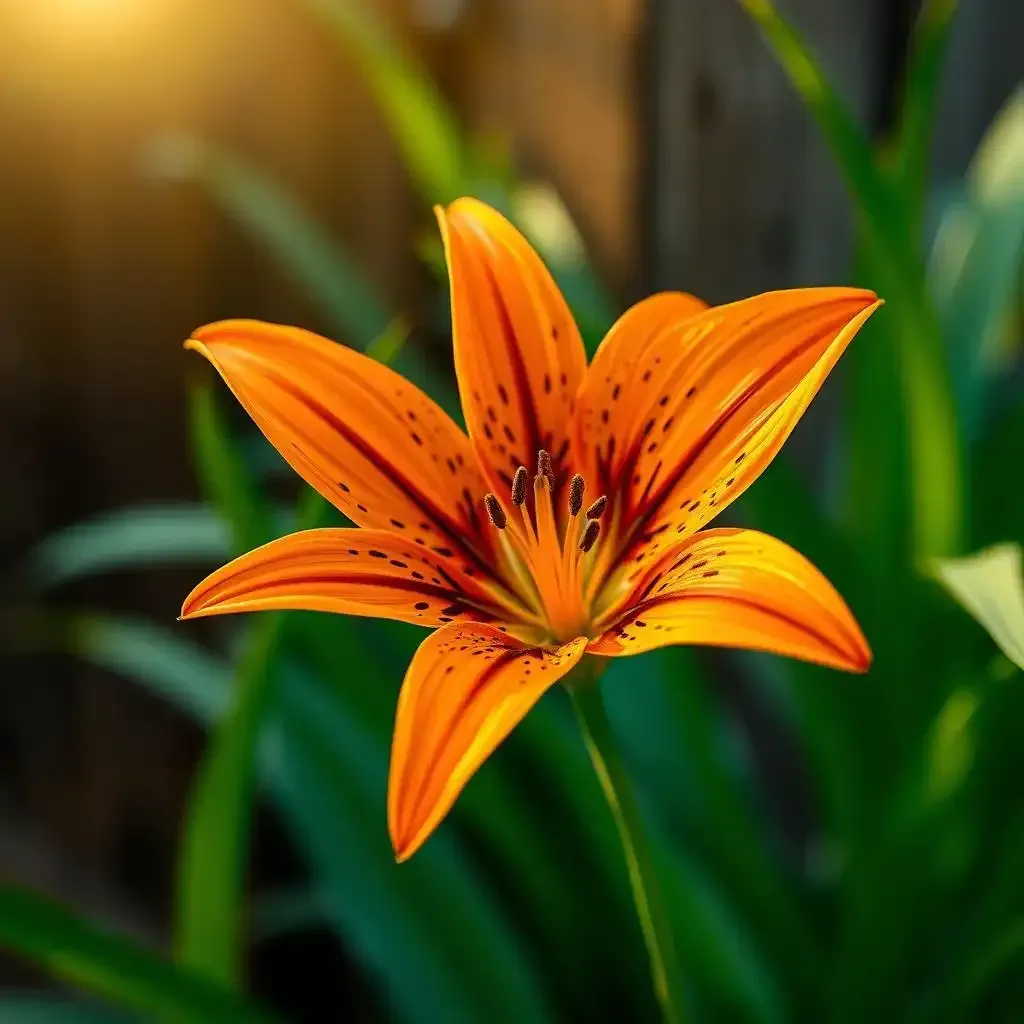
x: 922, y: 76
x: 222, y: 470
x: 421, y: 122
x: 896, y: 271
x: 427, y: 930
x: 211, y: 870
x: 990, y: 585
x: 278, y: 222
x: 111, y: 966
x: 40, y: 1009
x: 975, y: 262
x: 129, y: 539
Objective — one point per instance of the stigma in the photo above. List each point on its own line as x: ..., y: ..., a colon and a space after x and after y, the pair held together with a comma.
x: 549, y: 555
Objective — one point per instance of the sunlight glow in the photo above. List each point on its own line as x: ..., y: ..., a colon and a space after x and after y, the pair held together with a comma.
x: 90, y: 20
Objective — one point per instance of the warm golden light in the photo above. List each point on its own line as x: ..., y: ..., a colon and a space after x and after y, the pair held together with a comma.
x: 85, y: 22
x: 75, y: 51
x: 91, y: 11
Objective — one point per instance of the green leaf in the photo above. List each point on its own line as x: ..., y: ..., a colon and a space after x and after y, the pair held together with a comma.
x: 288, y: 232
x: 995, y: 171
x: 388, y: 345
x: 878, y: 201
x: 225, y: 478
x: 443, y: 166
x: 129, y: 539
x: 990, y: 586
x: 421, y: 122
x: 975, y: 261
x: 985, y: 966
x: 715, y: 945
x: 110, y: 966
x: 211, y: 871
x: 913, y: 140
x: 215, y: 837
x: 896, y: 272
x: 426, y: 925
x: 169, y: 663
x: 47, y: 1009
x: 669, y: 727
x: 876, y: 510
x: 504, y: 819
x: 427, y: 929
x: 951, y: 745
x: 30, y: 1008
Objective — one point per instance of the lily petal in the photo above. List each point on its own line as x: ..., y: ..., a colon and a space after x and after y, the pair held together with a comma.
x: 719, y: 394
x: 519, y: 357
x: 370, y: 442
x: 613, y: 405
x: 467, y: 687
x: 374, y: 573
x: 739, y: 588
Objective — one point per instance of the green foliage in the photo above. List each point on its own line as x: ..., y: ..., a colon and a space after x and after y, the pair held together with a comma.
x: 990, y: 586
x: 115, y: 967
x: 130, y: 539
x: 32, y: 1009
x: 894, y: 268
x: 975, y: 263
x: 423, y: 126
x: 275, y: 220
x: 444, y: 165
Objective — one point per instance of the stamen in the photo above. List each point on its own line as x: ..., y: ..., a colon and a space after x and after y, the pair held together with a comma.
x: 495, y: 513
x: 544, y: 467
x: 544, y: 554
x: 519, y: 487
x: 576, y: 488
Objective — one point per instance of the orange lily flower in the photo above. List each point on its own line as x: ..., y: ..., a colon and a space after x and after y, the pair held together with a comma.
x: 600, y: 551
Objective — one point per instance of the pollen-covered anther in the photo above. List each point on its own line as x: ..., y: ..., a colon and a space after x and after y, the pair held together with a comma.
x: 519, y: 486
x: 544, y: 466
x: 598, y: 508
x: 590, y: 535
x: 576, y: 488
x: 495, y: 513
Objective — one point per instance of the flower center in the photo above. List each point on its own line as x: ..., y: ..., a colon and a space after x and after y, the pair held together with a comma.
x: 549, y: 560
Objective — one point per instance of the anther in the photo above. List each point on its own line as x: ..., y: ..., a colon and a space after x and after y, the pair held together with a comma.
x: 544, y: 467
x: 495, y: 512
x: 576, y: 488
x: 589, y: 538
x: 597, y: 509
x: 519, y: 486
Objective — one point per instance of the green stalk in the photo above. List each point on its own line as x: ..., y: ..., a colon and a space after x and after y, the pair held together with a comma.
x: 643, y: 878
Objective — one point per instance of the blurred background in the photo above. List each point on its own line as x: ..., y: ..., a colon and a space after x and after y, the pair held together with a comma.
x: 833, y: 848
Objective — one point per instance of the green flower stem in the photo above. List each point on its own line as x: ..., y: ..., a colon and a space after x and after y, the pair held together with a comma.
x: 643, y: 879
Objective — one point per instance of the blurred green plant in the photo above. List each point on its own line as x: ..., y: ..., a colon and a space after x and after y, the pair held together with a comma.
x: 990, y: 586
x: 905, y: 897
